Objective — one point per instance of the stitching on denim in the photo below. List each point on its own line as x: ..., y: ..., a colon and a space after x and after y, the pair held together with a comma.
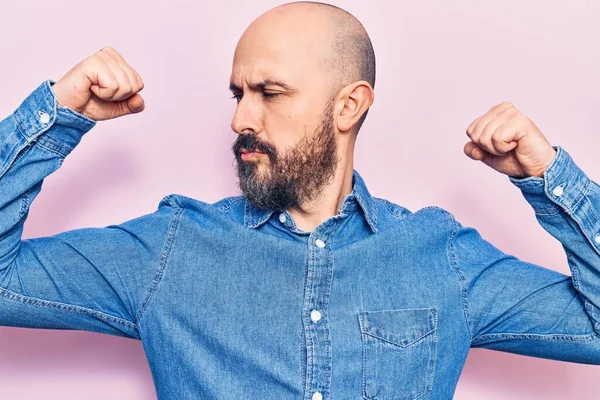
x: 19, y: 298
x: 361, y: 323
x: 461, y: 278
x: 58, y: 151
x: 19, y: 152
x: 574, y: 214
x: 364, y: 357
x: 406, y: 346
x: 326, y: 294
x: 547, y: 211
x: 162, y: 261
x: 435, y: 351
x: 590, y: 337
x: 309, y: 345
x: 390, y: 208
x: 589, y: 308
x: 81, y: 117
x: 229, y: 202
x: 24, y: 203
x: 574, y: 269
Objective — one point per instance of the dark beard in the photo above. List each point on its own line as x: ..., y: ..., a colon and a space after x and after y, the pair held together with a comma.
x: 292, y: 179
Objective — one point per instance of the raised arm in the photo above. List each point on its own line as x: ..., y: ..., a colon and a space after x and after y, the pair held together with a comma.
x: 94, y: 279
x: 520, y: 307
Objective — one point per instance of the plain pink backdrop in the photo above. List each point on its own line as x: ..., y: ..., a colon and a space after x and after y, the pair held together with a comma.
x: 440, y: 64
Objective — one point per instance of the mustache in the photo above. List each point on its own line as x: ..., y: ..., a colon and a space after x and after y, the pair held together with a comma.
x: 251, y: 142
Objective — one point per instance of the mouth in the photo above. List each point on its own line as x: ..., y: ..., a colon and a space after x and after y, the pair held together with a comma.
x: 246, y: 154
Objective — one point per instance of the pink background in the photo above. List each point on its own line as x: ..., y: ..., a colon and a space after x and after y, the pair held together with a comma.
x: 440, y: 64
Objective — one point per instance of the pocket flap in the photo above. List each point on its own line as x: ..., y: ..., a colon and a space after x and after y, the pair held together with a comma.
x: 401, y: 327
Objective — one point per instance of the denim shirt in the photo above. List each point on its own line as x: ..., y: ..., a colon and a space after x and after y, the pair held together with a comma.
x: 233, y: 302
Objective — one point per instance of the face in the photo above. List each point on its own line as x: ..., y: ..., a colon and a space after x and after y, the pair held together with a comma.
x: 286, y: 145
x: 275, y: 179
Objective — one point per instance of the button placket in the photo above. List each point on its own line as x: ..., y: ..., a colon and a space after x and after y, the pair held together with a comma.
x: 316, y: 326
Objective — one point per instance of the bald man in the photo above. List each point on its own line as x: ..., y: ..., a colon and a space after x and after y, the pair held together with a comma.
x: 305, y: 286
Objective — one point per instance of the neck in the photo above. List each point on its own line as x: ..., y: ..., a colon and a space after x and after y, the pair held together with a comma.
x: 310, y: 215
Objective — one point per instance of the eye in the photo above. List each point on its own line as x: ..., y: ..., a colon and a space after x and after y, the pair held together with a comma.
x: 237, y: 97
x: 270, y: 95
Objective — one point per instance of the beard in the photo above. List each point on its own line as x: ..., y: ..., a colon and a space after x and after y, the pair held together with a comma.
x: 290, y: 178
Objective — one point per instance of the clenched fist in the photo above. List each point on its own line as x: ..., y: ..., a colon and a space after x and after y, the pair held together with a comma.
x: 101, y: 87
x: 509, y: 142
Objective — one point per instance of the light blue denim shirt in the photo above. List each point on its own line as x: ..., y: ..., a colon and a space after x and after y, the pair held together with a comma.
x: 232, y: 302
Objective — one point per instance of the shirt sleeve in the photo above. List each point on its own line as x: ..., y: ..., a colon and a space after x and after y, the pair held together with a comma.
x: 97, y: 279
x: 520, y: 307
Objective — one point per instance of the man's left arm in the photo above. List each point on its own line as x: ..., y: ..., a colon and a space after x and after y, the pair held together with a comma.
x: 519, y: 307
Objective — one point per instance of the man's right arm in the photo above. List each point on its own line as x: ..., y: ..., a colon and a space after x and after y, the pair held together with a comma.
x: 96, y: 279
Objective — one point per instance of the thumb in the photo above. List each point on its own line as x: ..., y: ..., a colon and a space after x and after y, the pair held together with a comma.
x: 131, y: 105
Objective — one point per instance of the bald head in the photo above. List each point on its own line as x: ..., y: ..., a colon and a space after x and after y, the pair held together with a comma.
x: 303, y: 76
x: 313, y: 43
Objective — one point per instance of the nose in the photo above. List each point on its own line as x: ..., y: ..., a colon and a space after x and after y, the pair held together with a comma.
x: 247, y: 117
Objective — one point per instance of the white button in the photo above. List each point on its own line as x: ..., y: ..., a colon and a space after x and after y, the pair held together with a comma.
x: 320, y: 243
x: 44, y: 118
x: 317, y: 396
x: 315, y: 315
x: 597, y: 238
x: 558, y: 191
x: 282, y: 218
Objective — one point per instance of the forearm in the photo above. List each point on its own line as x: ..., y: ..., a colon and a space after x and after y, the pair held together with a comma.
x: 567, y: 205
x: 34, y: 140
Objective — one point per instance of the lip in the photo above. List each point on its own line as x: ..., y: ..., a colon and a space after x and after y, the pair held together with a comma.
x: 248, y: 155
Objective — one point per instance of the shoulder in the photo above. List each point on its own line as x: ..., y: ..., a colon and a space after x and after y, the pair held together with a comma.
x: 181, y: 201
x: 232, y: 206
x: 390, y: 214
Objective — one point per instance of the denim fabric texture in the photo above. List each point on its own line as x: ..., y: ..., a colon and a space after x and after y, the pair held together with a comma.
x: 234, y: 302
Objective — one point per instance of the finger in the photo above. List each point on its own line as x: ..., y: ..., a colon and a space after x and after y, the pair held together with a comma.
x: 124, y: 86
x: 474, y: 152
x: 487, y: 117
x: 472, y: 125
x: 505, y: 137
x: 104, y: 82
x: 131, y: 73
x: 485, y: 138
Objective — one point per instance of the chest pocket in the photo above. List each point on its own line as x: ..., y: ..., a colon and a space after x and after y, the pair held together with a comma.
x: 399, y: 352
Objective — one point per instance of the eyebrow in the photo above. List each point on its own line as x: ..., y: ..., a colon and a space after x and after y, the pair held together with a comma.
x: 261, y: 85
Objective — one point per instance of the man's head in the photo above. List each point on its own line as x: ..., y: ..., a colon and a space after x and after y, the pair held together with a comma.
x: 303, y: 75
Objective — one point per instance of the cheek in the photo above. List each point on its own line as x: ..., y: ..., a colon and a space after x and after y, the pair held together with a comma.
x: 286, y: 126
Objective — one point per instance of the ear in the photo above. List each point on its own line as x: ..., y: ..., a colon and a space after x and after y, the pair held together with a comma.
x: 353, y: 100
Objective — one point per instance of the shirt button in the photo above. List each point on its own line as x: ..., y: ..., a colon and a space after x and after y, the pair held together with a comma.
x: 317, y: 396
x: 597, y: 238
x: 44, y: 117
x: 315, y: 315
x: 320, y: 243
x: 282, y: 218
x: 558, y: 191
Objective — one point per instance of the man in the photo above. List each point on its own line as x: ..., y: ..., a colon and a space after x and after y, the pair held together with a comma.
x: 306, y: 286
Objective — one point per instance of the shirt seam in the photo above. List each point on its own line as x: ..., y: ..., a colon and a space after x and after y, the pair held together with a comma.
x: 162, y: 261
x: 461, y: 277
x: 20, y: 298
x: 566, y: 337
x: 390, y: 208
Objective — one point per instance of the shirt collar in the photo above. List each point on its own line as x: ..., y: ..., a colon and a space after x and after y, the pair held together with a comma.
x: 255, y: 217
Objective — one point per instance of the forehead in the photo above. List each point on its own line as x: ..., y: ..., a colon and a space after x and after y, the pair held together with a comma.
x: 269, y: 54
